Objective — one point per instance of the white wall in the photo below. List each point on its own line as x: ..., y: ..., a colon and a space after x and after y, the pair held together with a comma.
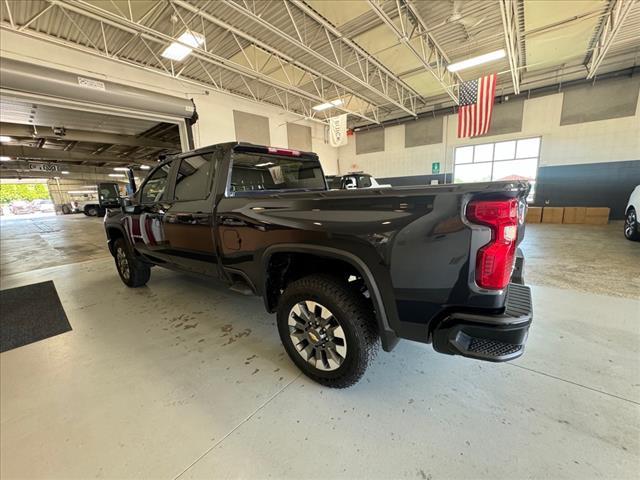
x: 593, y: 142
x: 215, y: 110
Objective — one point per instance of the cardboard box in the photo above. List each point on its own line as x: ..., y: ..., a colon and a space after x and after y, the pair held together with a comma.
x: 597, y: 216
x: 574, y: 215
x: 552, y: 214
x: 534, y: 215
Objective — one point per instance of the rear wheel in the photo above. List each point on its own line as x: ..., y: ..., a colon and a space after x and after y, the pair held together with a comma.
x: 328, y: 330
x: 631, y: 225
x: 132, y: 271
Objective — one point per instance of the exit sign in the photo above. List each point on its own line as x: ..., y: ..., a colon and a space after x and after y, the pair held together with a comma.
x: 435, y: 168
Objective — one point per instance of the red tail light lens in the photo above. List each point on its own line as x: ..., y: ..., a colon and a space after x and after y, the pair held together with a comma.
x: 284, y: 151
x: 494, y: 261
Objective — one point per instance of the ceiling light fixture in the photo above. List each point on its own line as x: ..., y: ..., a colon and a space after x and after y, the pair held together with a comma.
x: 64, y: 172
x: 328, y: 105
x: 5, y: 139
x: 145, y: 167
x: 121, y: 169
x: 117, y: 175
x: 4, y: 158
x: 475, y: 61
x: 179, y: 50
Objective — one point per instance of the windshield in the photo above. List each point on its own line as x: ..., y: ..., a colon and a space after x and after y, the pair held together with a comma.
x: 254, y: 172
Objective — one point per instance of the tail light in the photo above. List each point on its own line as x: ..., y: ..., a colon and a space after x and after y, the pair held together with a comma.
x: 494, y: 261
x: 284, y: 151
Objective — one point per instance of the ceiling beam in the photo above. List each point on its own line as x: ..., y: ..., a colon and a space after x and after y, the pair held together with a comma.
x: 371, y: 75
x: 512, y: 38
x: 23, y: 166
x: 409, y: 29
x: 340, y: 89
x: 248, y: 73
x: 616, y: 14
x: 70, y: 135
x: 21, y: 152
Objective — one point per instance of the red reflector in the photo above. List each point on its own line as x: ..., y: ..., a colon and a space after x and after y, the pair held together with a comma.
x: 284, y: 151
x: 494, y: 261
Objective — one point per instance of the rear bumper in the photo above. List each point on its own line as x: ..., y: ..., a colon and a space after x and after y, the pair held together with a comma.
x: 495, y: 338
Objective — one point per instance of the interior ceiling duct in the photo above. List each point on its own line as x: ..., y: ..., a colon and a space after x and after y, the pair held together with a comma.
x: 44, y: 81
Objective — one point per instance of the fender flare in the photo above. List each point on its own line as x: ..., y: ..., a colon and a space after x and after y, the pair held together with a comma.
x: 110, y: 240
x: 387, y: 335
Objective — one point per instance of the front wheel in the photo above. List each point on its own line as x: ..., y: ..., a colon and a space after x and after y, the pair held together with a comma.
x: 631, y: 225
x: 328, y: 330
x: 132, y: 271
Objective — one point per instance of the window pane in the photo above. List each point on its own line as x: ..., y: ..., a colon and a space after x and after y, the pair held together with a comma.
x: 153, y: 190
x: 483, y: 153
x: 477, y: 172
x: 516, y: 169
x: 464, y: 155
x: 254, y: 172
x: 194, y: 177
x: 505, y: 150
x: 528, y: 148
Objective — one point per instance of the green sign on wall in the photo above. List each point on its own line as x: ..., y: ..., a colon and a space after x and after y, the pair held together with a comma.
x: 435, y: 168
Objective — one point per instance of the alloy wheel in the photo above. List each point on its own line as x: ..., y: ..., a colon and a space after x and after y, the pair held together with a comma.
x: 123, y: 263
x: 317, y: 335
x: 630, y: 224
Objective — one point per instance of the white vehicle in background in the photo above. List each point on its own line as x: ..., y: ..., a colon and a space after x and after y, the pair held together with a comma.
x: 631, y: 224
x: 354, y: 180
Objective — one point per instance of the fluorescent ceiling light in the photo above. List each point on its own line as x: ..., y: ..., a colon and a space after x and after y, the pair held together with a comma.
x: 4, y: 158
x: 118, y: 175
x: 179, y: 50
x: 64, y: 172
x: 475, y: 61
x: 145, y: 167
x: 328, y: 105
x: 121, y: 169
x: 80, y: 192
x: 5, y: 139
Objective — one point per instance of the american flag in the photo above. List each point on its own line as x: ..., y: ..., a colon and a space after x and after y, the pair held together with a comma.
x: 476, y: 106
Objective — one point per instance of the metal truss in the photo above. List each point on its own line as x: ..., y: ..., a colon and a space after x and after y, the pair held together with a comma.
x: 616, y: 14
x: 410, y: 28
x: 512, y: 37
x: 256, y: 82
x: 312, y: 32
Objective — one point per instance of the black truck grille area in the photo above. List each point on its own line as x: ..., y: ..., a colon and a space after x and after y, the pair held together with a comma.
x: 492, y: 348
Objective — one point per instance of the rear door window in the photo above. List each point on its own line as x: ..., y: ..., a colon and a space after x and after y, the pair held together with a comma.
x: 254, y: 172
x: 194, y: 178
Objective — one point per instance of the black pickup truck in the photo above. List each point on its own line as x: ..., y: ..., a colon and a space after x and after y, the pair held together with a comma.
x: 345, y: 270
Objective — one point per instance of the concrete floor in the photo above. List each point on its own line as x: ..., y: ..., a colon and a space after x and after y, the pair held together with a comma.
x: 184, y: 379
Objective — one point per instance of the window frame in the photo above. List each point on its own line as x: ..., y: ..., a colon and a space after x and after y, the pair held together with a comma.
x: 494, y: 161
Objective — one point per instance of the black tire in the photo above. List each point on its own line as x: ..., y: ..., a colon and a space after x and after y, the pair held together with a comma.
x: 91, y: 211
x: 353, y: 314
x: 132, y: 271
x: 631, y: 225
x: 65, y: 209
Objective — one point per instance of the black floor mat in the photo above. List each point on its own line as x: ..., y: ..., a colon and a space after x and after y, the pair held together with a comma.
x: 29, y: 314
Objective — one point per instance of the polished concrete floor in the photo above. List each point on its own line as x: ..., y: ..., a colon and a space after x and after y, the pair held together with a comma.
x: 185, y: 379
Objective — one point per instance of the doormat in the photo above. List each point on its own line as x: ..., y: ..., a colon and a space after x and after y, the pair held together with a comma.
x: 29, y: 314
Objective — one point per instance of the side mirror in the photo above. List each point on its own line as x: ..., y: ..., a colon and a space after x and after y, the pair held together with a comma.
x: 109, y: 195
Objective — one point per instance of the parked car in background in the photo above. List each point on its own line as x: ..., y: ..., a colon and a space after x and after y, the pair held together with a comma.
x: 631, y: 224
x: 42, y: 205
x: 354, y: 180
x: 20, y: 207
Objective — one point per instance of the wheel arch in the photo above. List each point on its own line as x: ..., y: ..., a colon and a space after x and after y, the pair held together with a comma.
x: 387, y: 335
